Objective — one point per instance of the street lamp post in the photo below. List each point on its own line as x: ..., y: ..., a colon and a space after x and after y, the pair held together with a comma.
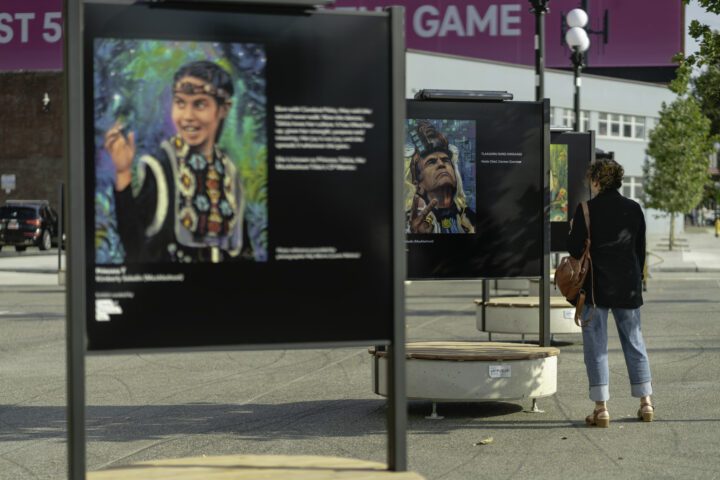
x: 539, y: 8
x: 577, y: 39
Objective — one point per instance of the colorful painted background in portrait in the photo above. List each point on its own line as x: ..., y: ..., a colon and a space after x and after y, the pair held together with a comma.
x: 558, y: 183
x: 461, y: 138
x: 132, y: 82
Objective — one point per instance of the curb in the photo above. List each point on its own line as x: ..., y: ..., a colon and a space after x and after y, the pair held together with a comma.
x: 685, y: 270
x: 29, y: 270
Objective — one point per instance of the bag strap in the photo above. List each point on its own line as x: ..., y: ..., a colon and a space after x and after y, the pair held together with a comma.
x: 581, y: 302
x: 586, y: 213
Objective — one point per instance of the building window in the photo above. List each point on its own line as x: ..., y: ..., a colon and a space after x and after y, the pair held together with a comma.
x: 568, y: 119
x: 602, y: 124
x: 615, y: 121
x: 639, y: 127
x: 633, y: 188
x: 621, y: 126
x: 627, y: 129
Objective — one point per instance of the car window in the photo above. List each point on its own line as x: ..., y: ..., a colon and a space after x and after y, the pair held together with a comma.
x: 20, y: 213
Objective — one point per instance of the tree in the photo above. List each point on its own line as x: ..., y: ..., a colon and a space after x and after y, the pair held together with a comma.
x: 679, y: 146
x: 699, y: 73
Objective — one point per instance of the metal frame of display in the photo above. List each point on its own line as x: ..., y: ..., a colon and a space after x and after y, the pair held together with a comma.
x: 502, y: 96
x: 76, y: 292
x: 544, y: 331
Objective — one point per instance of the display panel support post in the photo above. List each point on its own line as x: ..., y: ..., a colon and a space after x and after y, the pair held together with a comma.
x: 75, y: 249
x: 544, y: 327
x: 397, y: 401
x: 60, y: 229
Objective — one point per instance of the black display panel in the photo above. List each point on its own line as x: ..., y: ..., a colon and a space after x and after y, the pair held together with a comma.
x: 474, y: 188
x: 238, y: 176
x: 570, y: 155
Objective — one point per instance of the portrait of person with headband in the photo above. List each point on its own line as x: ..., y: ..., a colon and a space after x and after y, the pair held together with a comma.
x: 184, y: 202
x: 439, y: 204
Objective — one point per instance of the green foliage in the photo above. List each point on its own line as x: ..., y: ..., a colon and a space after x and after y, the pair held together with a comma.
x: 706, y: 90
x: 712, y: 6
x: 708, y: 56
x: 680, y: 146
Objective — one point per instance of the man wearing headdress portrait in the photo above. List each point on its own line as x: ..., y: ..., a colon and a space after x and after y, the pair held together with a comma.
x: 185, y: 202
x: 439, y: 204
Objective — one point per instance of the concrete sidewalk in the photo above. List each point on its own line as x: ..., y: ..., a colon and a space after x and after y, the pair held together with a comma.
x: 696, y: 250
x: 30, y: 268
x: 149, y: 406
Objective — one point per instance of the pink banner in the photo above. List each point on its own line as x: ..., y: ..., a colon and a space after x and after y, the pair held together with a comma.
x: 31, y: 35
x: 639, y: 33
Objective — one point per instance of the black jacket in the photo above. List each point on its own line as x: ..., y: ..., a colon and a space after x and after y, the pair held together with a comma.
x: 617, y: 225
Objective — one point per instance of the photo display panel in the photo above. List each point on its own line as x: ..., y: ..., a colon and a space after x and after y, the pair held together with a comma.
x: 238, y: 176
x: 570, y: 155
x: 473, y: 189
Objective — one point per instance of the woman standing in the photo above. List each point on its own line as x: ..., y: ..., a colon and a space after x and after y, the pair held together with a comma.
x: 617, y: 226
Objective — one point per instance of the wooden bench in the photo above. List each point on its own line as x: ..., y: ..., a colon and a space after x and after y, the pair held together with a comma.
x: 522, y: 315
x: 472, y: 371
x: 241, y: 467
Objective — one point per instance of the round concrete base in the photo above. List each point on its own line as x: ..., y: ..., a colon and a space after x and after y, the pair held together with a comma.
x: 473, y: 371
x: 522, y: 315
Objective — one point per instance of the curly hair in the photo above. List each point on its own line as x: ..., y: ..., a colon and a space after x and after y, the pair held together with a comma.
x: 608, y: 174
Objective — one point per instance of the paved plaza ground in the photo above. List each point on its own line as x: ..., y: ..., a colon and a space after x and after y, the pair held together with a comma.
x: 151, y: 406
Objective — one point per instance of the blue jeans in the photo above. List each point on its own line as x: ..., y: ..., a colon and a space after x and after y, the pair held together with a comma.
x: 595, y: 347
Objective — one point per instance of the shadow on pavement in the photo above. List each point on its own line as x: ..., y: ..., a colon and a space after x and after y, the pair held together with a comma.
x: 257, y: 422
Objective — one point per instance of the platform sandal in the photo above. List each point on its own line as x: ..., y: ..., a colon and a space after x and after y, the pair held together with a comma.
x: 646, y: 413
x: 599, y: 418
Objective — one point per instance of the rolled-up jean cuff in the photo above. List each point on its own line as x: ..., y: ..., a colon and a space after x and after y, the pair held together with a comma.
x: 641, y: 389
x: 599, y: 393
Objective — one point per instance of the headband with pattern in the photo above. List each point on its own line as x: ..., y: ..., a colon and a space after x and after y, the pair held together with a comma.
x: 189, y: 88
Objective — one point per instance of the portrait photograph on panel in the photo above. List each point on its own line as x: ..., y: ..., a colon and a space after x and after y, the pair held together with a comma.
x: 440, y: 170
x: 180, y: 151
x: 473, y: 189
x: 570, y: 154
x: 558, y: 183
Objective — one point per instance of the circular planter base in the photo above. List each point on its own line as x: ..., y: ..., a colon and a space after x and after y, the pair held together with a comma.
x: 522, y: 315
x: 472, y: 371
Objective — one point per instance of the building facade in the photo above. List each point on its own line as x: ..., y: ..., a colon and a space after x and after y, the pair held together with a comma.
x: 31, y: 136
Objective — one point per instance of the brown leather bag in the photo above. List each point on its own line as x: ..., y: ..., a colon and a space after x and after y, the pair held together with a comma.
x: 570, y: 274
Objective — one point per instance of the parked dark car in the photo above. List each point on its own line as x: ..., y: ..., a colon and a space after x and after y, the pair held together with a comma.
x: 25, y: 223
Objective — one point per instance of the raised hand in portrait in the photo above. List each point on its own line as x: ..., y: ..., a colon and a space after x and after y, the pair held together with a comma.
x: 122, y: 151
x: 419, y: 214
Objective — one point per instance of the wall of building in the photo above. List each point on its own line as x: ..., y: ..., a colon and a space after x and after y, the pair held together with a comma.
x: 31, y: 140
